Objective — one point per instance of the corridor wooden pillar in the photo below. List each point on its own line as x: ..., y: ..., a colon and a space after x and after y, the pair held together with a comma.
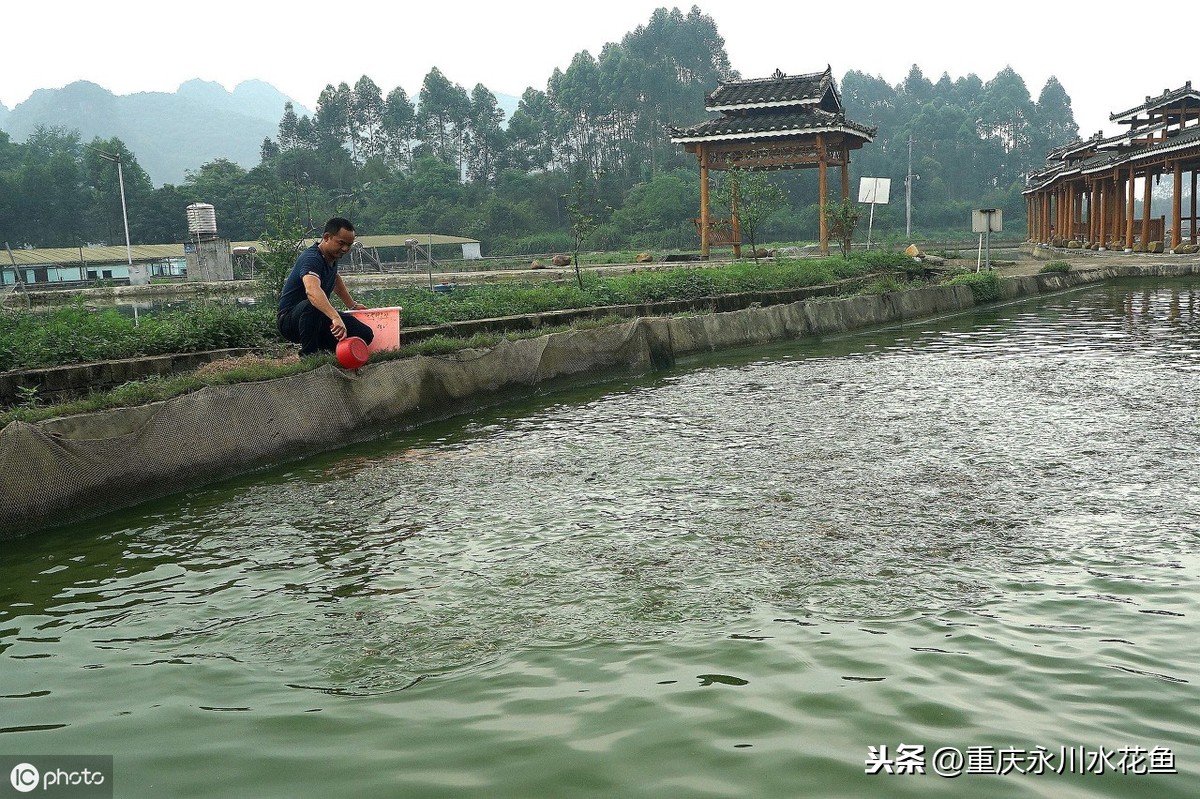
x: 1147, y: 191
x: 735, y: 224
x: 1129, y: 213
x: 1077, y: 211
x: 1064, y: 213
x: 703, y: 156
x: 1087, y: 202
x: 1068, y: 196
x: 1102, y: 217
x: 845, y: 172
x: 1092, y: 190
x: 823, y: 191
x: 1192, y: 236
x: 1055, y: 213
x: 1177, y: 206
x: 1118, y: 231
x: 1192, y: 228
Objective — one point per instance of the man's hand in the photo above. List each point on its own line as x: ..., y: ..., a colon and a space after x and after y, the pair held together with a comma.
x: 357, y: 306
x: 338, y: 328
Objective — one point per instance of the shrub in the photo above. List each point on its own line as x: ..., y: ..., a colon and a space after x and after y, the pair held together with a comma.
x: 1056, y: 266
x: 984, y: 285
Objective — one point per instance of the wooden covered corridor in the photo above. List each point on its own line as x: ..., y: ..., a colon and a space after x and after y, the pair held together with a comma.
x: 780, y: 122
x: 1088, y: 191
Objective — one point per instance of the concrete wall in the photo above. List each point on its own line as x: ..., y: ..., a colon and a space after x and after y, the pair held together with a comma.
x: 208, y: 260
x: 63, y: 383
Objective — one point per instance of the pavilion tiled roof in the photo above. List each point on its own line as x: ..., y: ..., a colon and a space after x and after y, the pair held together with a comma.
x: 1045, y: 175
x: 1184, y: 139
x: 770, y: 124
x: 778, y: 106
x: 1086, y: 149
x: 1167, y: 99
x: 777, y: 91
x: 1100, y: 162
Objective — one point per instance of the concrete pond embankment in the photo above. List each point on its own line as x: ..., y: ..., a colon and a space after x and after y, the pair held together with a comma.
x: 71, y: 468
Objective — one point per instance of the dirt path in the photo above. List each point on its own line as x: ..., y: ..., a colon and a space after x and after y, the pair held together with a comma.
x: 1028, y: 264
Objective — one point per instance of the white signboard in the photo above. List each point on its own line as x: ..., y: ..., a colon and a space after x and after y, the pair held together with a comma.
x: 987, y: 220
x: 874, y: 190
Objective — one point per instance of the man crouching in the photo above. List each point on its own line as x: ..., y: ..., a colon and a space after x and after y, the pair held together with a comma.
x: 306, y: 316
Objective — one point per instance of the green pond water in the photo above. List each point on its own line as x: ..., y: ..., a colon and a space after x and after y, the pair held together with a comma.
x: 743, y: 577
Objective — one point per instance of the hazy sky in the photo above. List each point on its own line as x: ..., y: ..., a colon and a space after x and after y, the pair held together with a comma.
x: 130, y: 46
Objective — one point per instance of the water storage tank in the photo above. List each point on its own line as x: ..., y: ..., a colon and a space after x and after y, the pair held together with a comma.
x: 202, y: 220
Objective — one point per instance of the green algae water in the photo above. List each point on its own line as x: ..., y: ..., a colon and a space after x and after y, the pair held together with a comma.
x: 953, y: 558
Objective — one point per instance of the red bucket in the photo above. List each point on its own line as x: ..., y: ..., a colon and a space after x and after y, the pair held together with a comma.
x: 352, y: 352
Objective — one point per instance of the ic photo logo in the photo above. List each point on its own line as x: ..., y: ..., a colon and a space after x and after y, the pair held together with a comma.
x: 24, y: 777
x: 57, y: 776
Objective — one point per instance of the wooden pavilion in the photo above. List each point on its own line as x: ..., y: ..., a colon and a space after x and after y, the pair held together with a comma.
x: 1086, y: 192
x: 780, y: 122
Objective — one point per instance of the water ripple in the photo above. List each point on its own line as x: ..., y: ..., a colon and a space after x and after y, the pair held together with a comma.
x: 725, y: 580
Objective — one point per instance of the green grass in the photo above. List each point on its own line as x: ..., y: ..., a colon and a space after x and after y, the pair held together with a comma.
x: 488, y: 300
x: 80, y: 334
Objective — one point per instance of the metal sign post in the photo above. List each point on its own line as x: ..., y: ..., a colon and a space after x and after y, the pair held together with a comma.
x: 987, y: 221
x: 873, y: 190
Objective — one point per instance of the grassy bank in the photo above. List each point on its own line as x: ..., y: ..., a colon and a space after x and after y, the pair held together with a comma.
x: 78, y: 334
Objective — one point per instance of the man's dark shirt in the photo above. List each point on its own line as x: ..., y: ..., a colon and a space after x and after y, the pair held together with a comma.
x: 310, y: 262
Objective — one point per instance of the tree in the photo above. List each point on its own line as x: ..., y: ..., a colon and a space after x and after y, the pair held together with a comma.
x: 485, y: 135
x: 1055, y: 121
x: 332, y: 124
x: 754, y: 197
x: 102, y: 177
x: 441, y: 122
x: 581, y: 206
x: 843, y: 219
x: 532, y: 133
x: 367, y: 108
x: 282, y: 241
x: 288, y: 136
x: 658, y: 212
x: 1008, y: 118
x: 576, y: 96
x: 916, y: 87
x: 399, y: 121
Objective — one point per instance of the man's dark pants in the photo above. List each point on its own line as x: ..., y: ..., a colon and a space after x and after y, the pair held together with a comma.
x: 308, y: 327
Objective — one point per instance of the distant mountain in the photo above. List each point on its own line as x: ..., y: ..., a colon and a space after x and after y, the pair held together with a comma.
x: 170, y: 133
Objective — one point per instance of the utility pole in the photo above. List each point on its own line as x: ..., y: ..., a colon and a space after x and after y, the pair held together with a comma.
x: 138, y: 278
x: 908, y: 193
